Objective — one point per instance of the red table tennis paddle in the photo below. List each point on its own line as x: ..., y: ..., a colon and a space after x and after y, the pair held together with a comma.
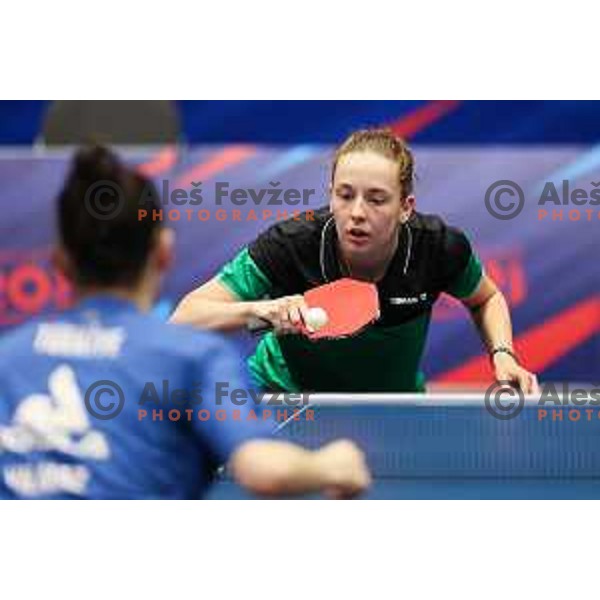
x: 350, y: 305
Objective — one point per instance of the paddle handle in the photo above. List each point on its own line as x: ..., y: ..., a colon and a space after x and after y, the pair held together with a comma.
x: 256, y: 325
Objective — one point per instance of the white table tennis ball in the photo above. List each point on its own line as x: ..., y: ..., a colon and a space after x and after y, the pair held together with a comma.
x: 316, y: 318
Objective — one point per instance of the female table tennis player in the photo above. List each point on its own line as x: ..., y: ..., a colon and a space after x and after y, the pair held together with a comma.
x: 370, y: 231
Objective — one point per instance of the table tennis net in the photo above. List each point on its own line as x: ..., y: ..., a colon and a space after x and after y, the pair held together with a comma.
x: 456, y: 441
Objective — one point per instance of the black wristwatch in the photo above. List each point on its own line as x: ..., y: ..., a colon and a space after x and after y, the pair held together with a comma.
x: 504, y: 349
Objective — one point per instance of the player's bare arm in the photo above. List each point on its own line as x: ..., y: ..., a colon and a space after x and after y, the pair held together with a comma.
x: 490, y: 314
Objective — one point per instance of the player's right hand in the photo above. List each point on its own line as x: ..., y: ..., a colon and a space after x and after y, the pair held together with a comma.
x: 345, y: 469
x: 286, y: 314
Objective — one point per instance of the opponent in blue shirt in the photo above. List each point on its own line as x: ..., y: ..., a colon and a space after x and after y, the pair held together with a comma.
x: 107, y: 401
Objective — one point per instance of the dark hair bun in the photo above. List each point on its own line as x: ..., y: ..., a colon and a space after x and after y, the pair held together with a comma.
x: 95, y: 163
x: 106, y: 249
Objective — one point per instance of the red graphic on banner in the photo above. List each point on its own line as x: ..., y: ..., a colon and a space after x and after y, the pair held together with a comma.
x: 506, y: 269
x: 541, y: 345
x: 30, y: 286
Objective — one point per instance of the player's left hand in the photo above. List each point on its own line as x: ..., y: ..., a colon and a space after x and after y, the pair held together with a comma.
x: 506, y: 369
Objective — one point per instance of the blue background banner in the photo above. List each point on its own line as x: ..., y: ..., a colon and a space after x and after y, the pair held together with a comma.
x: 293, y: 122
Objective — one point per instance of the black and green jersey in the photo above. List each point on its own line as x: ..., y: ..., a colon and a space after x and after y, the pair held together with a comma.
x: 298, y: 254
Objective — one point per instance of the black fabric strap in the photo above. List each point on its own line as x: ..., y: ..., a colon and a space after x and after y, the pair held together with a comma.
x: 504, y: 349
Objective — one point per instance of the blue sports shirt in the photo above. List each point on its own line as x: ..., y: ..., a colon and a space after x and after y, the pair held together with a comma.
x: 105, y: 401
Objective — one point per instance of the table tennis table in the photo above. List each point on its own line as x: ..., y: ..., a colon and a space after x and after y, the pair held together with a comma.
x: 449, y: 446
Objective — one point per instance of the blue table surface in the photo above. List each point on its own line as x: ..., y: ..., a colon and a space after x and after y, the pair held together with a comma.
x: 457, y: 489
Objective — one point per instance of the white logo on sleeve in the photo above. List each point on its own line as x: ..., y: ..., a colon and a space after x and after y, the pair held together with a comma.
x: 56, y: 421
